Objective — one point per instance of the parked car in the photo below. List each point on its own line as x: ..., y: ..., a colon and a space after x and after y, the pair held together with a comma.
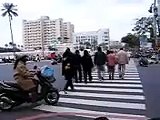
x: 1, y: 61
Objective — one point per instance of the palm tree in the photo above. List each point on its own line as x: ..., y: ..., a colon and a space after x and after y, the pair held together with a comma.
x: 10, y: 10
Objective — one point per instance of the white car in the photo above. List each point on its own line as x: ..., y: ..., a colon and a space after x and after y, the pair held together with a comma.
x: 1, y: 61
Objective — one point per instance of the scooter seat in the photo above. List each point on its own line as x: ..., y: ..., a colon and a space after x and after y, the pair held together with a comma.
x: 12, y: 84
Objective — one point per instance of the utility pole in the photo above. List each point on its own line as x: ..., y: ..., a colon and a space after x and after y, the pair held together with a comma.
x: 155, y: 10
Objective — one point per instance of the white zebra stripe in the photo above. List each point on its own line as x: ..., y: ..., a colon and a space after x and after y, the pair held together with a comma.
x: 111, y: 89
x: 119, y: 81
x: 116, y: 73
x: 118, y: 96
x: 109, y: 85
x: 127, y: 78
x: 137, y: 106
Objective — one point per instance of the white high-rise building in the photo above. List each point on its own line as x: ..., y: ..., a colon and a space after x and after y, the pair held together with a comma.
x: 40, y: 34
x: 93, y: 37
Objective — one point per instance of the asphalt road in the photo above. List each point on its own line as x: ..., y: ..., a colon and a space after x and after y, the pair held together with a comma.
x: 150, y: 77
x: 6, y: 72
x: 150, y: 81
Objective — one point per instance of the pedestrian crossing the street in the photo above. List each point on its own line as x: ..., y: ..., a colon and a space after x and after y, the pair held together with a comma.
x: 116, y: 99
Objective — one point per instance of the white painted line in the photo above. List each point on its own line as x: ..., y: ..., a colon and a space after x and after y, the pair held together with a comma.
x: 95, y: 73
x: 111, y: 89
x: 119, y: 81
x: 118, y: 96
x: 89, y: 113
x: 117, y: 75
x: 127, y: 78
x: 109, y: 85
x: 128, y: 71
x: 126, y: 105
x: 6, y: 64
x: 116, y: 71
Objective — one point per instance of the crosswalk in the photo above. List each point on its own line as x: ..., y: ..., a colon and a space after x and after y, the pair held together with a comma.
x: 116, y: 99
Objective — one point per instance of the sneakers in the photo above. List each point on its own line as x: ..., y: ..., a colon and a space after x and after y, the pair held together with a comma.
x: 121, y: 76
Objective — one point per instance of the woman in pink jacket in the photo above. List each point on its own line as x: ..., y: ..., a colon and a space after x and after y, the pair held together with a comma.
x: 111, y: 62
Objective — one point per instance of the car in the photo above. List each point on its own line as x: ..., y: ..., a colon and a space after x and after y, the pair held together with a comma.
x: 1, y: 61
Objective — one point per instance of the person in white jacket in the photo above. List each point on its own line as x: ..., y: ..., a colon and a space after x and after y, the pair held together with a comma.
x: 123, y: 59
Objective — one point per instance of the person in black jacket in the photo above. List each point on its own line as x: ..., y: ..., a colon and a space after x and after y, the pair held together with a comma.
x: 77, y: 66
x: 68, y: 68
x: 99, y: 61
x: 87, y: 65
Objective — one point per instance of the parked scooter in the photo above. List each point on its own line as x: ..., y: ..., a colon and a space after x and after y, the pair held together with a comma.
x: 143, y: 61
x: 11, y: 94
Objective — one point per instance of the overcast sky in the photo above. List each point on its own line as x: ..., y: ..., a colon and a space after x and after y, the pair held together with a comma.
x: 87, y: 15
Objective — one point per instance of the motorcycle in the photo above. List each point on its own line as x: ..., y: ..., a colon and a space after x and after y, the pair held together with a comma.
x: 12, y: 95
x: 143, y: 62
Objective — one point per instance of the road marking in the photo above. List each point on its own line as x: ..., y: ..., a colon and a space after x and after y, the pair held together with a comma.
x: 133, y: 77
x: 119, y: 81
x: 128, y: 78
x: 110, y: 89
x: 118, y: 75
x: 118, y: 96
x: 136, y: 106
x: 89, y: 113
x: 109, y: 85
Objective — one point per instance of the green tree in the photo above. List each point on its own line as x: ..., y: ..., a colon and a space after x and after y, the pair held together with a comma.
x: 131, y: 40
x: 10, y: 10
x: 143, y: 25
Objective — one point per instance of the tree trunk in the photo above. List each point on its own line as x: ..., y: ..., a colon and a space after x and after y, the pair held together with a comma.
x: 11, y: 34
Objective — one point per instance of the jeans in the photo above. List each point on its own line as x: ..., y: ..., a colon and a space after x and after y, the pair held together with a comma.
x: 78, y: 70
x: 121, y: 69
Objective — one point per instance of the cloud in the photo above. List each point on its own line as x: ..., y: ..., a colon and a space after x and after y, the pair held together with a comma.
x: 86, y: 15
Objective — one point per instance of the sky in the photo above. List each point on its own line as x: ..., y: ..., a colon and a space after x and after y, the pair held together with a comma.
x: 86, y: 15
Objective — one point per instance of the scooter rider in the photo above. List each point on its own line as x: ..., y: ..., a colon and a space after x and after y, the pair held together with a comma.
x: 25, y: 78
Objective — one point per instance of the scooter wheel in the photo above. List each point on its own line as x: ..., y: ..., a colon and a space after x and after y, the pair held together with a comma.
x: 6, y: 103
x: 52, y: 97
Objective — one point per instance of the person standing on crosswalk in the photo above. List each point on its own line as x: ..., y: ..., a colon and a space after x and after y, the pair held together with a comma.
x: 123, y: 59
x: 99, y: 61
x: 68, y: 68
x: 77, y: 67
x: 87, y: 65
x: 111, y: 62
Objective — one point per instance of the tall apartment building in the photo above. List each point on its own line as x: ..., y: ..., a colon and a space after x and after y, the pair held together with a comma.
x: 93, y: 37
x: 40, y: 34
